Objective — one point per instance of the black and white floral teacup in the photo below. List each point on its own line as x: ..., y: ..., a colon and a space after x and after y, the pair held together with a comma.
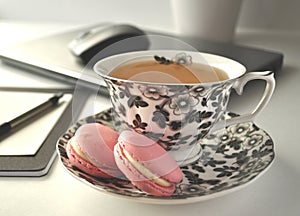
x: 177, y: 116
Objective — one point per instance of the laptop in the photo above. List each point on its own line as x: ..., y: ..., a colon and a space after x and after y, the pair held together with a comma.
x: 51, y: 57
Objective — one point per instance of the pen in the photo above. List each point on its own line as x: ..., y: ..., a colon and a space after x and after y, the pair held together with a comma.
x: 8, y: 126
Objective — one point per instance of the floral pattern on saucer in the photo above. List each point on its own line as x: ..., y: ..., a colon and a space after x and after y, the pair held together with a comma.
x: 232, y: 158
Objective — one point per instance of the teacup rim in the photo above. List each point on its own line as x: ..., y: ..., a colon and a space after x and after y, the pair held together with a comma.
x: 206, y: 54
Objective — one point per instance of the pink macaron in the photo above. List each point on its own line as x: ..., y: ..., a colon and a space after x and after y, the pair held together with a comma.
x: 146, y: 164
x: 91, y: 150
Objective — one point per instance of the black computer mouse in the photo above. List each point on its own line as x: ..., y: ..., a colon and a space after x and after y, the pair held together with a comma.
x: 88, y: 45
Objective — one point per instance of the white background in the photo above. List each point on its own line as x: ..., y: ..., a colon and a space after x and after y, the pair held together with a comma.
x: 274, y: 25
x: 263, y: 14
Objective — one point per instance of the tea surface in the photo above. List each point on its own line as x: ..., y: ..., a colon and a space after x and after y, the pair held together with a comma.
x: 153, y: 71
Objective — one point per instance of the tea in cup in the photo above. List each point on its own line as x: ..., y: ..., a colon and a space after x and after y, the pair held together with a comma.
x: 176, y: 97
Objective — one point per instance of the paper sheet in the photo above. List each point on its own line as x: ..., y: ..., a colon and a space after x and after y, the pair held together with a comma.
x: 32, y: 135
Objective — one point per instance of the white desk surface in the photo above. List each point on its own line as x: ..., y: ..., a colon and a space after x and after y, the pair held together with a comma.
x: 277, y: 192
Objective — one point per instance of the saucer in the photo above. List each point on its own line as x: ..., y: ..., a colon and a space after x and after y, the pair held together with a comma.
x: 232, y: 158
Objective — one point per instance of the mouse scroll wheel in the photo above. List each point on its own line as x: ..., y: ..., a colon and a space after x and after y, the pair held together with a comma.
x: 83, y: 35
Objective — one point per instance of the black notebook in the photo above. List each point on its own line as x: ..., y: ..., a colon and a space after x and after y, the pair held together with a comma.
x: 29, y: 149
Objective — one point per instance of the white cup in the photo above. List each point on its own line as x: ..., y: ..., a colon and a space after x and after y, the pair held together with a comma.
x: 208, y: 19
x: 179, y: 115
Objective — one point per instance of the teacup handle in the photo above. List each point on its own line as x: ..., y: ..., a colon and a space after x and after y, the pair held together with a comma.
x: 239, y: 84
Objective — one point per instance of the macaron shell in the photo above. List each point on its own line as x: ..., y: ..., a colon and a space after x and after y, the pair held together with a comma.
x: 97, y: 141
x: 82, y: 164
x: 151, y: 155
x: 138, y: 179
x: 153, y: 189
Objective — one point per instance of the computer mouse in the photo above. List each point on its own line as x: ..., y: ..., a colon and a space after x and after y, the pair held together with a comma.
x: 90, y: 43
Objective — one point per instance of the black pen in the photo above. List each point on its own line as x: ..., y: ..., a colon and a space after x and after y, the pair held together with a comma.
x: 8, y: 126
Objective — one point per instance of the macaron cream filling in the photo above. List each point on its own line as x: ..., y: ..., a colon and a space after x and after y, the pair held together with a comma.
x: 146, y: 172
x: 79, y: 152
